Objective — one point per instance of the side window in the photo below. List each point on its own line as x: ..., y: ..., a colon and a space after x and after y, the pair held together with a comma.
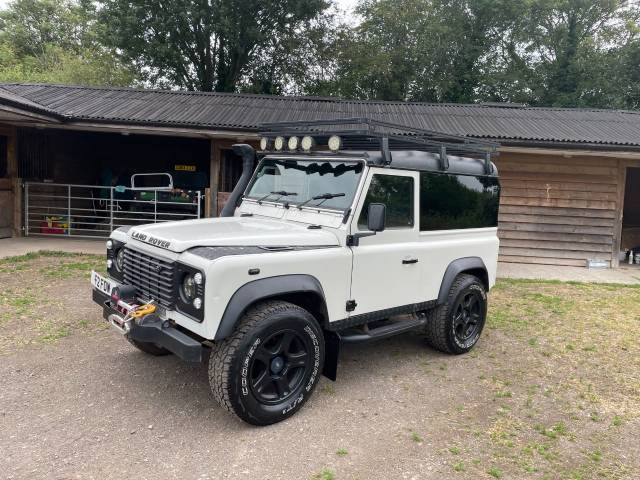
x: 450, y: 202
x: 397, y: 194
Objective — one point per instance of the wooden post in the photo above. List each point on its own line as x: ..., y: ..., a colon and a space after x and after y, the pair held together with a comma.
x: 617, y: 232
x: 16, y: 182
x: 207, y: 202
x: 214, y: 174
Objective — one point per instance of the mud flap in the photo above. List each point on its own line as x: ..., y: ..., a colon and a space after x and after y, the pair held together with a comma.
x: 331, y: 354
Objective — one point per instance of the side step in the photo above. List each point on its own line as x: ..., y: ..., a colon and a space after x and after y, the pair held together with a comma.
x: 384, y: 331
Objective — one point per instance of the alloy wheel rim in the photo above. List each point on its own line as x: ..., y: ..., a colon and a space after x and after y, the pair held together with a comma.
x: 278, y: 366
x: 467, y: 316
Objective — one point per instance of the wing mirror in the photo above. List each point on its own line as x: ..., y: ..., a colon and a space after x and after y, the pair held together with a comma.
x: 376, y: 220
x: 377, y: 217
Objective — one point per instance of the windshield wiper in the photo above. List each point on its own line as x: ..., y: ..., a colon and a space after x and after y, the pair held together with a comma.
x: 323, y: 197
x: 281, y: 193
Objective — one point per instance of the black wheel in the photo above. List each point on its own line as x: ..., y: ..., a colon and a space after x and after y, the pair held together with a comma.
x: 455, y: 327
x: 150, y: 348
x: 271, y: 364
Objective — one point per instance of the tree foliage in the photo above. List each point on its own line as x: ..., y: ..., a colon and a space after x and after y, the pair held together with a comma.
x: 221, y: 45
x: 540, y: 52
x: 53, y: 41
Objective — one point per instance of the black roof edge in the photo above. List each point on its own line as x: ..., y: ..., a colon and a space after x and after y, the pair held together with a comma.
x: 569, y: 145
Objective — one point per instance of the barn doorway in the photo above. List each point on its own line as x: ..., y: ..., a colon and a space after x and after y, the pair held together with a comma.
x: 630, y: 238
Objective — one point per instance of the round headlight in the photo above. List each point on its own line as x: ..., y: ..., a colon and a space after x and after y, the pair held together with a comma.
x: 198, y: 278
x: 197, y: 303
x: 188, y: 288
x: 293, y: 143
x: 307, y: 143
x: 264, y: 143
x: 278, y: 143
x: 109, y: 244
x: 120, y: 260
x: 335, y: 142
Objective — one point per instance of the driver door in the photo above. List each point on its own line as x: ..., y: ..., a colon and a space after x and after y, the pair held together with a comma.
x: 386, y: 272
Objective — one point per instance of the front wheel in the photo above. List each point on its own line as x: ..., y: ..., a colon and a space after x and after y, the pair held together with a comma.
x: 455, y: 326
x: 268, y: 368
x: 150, y: 348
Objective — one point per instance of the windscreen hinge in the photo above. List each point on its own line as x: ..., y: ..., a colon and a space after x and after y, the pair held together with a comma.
x: 351, y: 305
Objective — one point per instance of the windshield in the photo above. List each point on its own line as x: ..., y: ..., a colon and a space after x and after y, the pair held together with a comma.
x: 297, y: 182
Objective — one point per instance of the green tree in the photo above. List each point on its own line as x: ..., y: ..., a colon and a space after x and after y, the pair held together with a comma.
x: 424, y: 50
x: 51, y: 41
x: 571, y: 53
x: 538, y: 52
x: 221, y: 45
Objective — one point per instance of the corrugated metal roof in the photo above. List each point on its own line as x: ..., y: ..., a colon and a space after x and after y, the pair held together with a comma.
x: 246, y: 112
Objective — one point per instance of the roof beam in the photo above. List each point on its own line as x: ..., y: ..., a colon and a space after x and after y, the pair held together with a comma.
x: 235, y: 135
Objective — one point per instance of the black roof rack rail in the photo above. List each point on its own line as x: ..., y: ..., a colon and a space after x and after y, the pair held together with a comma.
x: 359, y: 133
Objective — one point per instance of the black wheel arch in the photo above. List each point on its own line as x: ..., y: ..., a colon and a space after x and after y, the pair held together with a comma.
x: 299, y: 289
x: 469, y: 265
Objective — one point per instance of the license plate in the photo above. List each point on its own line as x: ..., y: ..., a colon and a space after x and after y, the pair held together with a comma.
x: 101, y: 283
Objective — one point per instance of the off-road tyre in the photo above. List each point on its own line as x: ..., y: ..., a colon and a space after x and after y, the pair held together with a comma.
x: 150, y: 348
x: 442, y: 327
x: 236, y: 363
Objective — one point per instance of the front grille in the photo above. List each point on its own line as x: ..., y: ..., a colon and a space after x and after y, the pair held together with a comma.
x: 153, y: 278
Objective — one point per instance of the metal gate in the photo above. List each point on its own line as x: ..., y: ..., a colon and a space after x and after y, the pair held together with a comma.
x: 92, y: 211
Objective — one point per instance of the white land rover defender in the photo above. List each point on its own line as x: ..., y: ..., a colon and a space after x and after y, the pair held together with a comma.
x: 348, y: 231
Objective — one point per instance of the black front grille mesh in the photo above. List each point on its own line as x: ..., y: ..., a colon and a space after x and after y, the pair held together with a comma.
x: 153, y: 278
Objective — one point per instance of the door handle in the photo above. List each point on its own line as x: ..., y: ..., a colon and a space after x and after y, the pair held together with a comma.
x: 407, y: 261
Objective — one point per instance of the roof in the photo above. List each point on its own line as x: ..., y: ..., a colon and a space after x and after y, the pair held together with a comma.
x: 507, y: 123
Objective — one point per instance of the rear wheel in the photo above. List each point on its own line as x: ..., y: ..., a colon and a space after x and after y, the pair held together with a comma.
x: 455, y: 326
x: 271, y: 364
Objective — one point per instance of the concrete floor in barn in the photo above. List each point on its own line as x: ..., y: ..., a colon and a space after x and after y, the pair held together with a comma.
x: 10, y: 247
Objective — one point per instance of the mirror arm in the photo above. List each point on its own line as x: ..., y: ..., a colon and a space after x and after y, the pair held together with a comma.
x: 354, y: 240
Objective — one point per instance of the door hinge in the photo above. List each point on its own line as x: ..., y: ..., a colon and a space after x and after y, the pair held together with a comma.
x: 351, y: 305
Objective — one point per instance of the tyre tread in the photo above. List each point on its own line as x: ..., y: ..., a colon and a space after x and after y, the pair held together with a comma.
x: 222, y: 356
x: 436, y: 327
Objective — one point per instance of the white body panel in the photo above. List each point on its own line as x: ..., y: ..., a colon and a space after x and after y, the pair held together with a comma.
x: 371, y: 273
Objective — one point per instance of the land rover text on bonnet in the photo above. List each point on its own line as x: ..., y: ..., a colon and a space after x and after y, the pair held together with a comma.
x: 346, y: 231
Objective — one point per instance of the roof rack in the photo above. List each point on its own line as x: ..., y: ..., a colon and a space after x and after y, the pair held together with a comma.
x: 365, y: 133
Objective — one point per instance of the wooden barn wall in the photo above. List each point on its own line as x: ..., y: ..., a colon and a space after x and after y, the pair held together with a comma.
x: 558, y: 210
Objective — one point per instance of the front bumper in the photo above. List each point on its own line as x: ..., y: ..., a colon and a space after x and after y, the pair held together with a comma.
x: 152, y: 329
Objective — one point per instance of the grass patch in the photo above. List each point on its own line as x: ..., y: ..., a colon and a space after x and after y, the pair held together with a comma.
x: 415, y: 437
x: 495, y: 472
x: 341, y: 452
x: 328, y: 389
x: 324, y: 474
x: 459, y: 467
x: 595, y: 456
x: 51, y: 332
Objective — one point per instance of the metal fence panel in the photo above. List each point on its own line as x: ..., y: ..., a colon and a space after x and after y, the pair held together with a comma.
x: 61, y: 209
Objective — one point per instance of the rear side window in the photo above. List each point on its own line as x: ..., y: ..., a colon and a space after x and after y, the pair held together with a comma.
x: 458, y: 201
x: 396, y: 193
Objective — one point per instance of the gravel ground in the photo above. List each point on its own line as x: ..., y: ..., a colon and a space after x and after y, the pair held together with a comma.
x: 82, y: 403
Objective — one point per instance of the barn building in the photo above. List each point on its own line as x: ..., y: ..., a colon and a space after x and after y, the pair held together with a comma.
x: 570, y: 177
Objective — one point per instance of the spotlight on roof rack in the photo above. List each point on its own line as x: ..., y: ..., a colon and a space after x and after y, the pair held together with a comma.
x: 278, y: 143
x: 264, y: 143
x: 335, y: 142
x: 293, y: 143
x: 307, y: 143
